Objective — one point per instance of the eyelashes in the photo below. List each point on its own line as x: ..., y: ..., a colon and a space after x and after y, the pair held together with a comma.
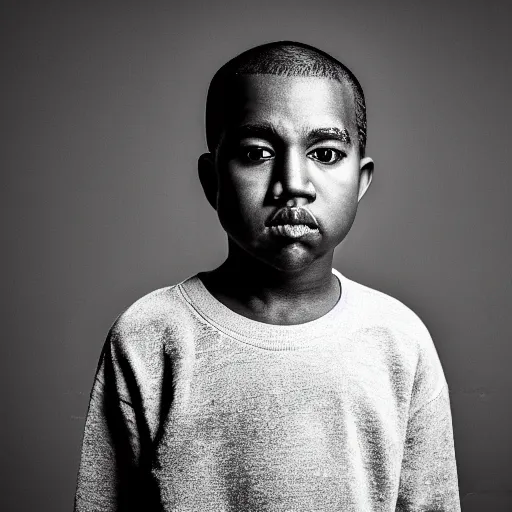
x: 259, y: 154
x: 327, y: 156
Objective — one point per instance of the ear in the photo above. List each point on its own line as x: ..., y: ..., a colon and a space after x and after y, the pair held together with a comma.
x: 208, y: 177
x: 365, y: 176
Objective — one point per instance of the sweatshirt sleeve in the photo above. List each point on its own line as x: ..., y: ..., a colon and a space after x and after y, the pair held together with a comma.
x: 112, y: 474
x: 428, y: 480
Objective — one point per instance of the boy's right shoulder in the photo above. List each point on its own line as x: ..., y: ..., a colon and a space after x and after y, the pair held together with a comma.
x: 162, y: 313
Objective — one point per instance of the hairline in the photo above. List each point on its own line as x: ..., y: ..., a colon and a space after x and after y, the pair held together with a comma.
x: 237, y: 68
x: 341, y: 80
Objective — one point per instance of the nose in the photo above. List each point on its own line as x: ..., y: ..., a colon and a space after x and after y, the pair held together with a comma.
x: 292, y: 178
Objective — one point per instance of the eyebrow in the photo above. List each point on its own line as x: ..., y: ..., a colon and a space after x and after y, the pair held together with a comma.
x: 262, y: 130
x: 333, y: 133
x: 266, y: 131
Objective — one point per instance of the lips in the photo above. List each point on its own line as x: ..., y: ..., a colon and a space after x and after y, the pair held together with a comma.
x: 293, y: 223
x: 294, y: 216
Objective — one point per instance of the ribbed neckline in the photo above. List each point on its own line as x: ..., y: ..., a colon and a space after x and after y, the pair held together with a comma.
x: 266, y: 336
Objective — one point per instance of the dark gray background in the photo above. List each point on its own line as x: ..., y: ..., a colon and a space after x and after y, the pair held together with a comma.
x: 102, y: 112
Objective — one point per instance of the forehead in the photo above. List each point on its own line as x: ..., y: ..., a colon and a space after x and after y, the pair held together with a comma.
x: 293, y: 102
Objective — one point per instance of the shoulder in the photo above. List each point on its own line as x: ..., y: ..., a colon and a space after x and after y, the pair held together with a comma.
x: 153, y: 321
x: 380, y: 311
x: 152, y: 311
x: 401, y: 333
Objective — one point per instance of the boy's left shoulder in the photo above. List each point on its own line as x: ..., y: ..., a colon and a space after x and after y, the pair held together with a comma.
x: 388, y: 316
x: 389, y: 328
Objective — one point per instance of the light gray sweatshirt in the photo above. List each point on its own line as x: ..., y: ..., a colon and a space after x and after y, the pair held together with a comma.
x: 196, y: 408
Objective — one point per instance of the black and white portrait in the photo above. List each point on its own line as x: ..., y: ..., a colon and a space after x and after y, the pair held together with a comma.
x: 257, y: 256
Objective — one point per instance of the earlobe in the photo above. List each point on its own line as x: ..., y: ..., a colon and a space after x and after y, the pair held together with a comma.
x: 208, y: 178
x: 366, y: 167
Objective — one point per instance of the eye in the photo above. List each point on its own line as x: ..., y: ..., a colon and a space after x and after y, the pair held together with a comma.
x: 257, y: 154
x: 327, y: 156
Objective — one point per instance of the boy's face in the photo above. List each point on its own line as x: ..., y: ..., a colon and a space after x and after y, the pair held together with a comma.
x: 288, y: 172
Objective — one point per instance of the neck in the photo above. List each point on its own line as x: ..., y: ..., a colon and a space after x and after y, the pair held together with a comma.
x: 263, y: 293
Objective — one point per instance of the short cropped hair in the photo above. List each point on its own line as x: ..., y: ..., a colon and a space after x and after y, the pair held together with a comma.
x: 282, y: 58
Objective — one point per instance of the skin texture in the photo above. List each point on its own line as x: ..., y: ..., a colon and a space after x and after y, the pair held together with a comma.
x: 289, y: 142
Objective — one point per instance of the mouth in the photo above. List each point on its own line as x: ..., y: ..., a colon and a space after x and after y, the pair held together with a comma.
x: 292, y: 230
x: 293, y: 222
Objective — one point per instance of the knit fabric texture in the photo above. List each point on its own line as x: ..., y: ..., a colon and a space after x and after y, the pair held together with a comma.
x: 197, y: 408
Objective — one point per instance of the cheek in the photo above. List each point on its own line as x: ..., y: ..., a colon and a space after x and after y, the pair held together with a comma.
x: 240, y: 201
x: 340, y: 205
x: 342, y: 215
x: 341, y: 188
x: 243, y: 190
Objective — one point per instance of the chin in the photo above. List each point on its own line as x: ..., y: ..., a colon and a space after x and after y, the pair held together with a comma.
x: 292, y: 258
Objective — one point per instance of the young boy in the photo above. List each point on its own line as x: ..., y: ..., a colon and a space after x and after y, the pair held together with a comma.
x: 273, y: 383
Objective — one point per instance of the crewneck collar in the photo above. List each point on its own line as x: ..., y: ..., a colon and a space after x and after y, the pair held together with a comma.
x: 263, y: 335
